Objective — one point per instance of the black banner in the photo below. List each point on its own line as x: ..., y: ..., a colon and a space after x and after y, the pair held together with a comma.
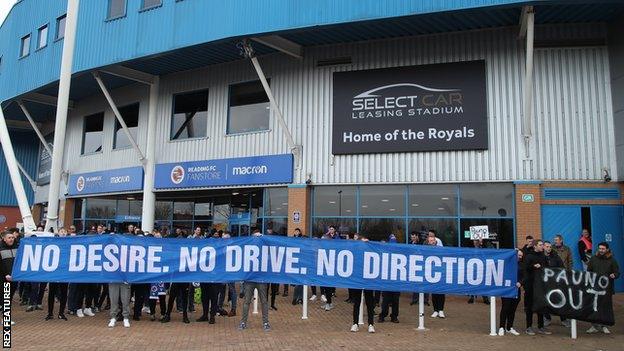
x: 579, y: 295
x: 413, y: 108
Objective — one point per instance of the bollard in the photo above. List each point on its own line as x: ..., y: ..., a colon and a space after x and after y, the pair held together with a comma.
x: 421, y: 311
x: 493, y: 316
x: 304, y: 313
x: 573, y: 329
x: 361, y: 319
x: 255, y: 307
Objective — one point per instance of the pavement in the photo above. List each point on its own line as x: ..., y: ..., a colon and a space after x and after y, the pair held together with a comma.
x: 465, y: 327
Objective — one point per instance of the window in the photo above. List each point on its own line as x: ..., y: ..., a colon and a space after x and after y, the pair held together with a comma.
x: 449, y: 209
x: 92, y: 133
x: 130, y: 115
x: 43, y: 37
x: 382, y: 200
x: 190, y: 115
x: 116, y: 9
x: 101, y: 208
x: 60, y: 28
x: 331, y: 201
x: 446, y: 229
x: 276, y: 202
x: 148, y: 4
x: 486, y: 200
x: 249, y: 108
x: 432, y: 200
x: 25, y: 47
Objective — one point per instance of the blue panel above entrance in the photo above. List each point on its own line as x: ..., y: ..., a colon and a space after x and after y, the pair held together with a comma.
x: 274, y: 169
x: 110, y: 181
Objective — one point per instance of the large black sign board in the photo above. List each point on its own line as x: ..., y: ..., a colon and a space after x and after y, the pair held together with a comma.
x: 414, y: 108
x: 584, y: 296
x: 45, y: 162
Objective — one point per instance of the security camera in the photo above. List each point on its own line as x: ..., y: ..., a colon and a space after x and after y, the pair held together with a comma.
x: 605, y: 175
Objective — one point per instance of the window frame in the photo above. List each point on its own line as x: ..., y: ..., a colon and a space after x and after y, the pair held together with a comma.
x: 63, y: 18
x: 108, y: 11
x: 147, y: 8
x: 47, y: 34
x: 229, y: 115
x: 173, y: 97
x: 120, y: 127
x: 22, y: 41
x: 84, y: 126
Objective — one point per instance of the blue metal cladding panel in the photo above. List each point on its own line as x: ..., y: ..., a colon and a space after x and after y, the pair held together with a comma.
x: 26, y: 147
x: 581, y: 194
x: 180, y: 24
x: 174, y: 25
x: 607, y: 226
x: 564, y: 220
x: 41, y: 66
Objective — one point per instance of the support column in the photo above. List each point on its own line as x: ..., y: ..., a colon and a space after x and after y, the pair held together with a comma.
x: 62, y: 109
x: 528, y: 213
x: 528, y: 84
x: 149, y: 198
x: 299, y: 202
x: 16, y: 179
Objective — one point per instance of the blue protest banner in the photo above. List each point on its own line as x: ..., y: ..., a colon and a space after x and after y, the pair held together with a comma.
x: 110, y: 181
x: 337, y: 263
x: 272, y: 169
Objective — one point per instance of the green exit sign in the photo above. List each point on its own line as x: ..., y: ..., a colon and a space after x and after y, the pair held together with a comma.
x: 528, y: 198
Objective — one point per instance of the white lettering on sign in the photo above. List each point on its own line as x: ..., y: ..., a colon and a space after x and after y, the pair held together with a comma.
x: 250, y: 170
x: 121, y: 179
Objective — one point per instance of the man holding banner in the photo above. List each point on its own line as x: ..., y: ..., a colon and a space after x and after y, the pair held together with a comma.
x: 603, y: 264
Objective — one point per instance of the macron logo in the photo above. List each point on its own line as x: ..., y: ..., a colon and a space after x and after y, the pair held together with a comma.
x: 250, y: 170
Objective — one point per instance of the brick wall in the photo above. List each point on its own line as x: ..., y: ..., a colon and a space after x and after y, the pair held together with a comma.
x: 528, y: 214
x: 12, y: 215
x: 298, y: 201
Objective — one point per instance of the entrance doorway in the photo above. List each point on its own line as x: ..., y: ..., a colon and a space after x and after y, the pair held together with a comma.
x: 605, y: 223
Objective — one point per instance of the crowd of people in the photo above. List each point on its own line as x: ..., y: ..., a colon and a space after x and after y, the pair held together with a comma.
x: 86, y: 299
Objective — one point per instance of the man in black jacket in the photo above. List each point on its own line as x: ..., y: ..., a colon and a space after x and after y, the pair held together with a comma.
x: 535, y: 261
x: 553, y: 261
x: 8, y: 250
x: 603, y: 263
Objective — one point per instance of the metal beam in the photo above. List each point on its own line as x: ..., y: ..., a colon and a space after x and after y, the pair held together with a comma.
x: 32, y: 182
x: 62, y: 109
x: 523, y: 21
x: 129, y: 73
x: 44, y: 99
x: 16, y: 180
x: 120, y: 119
x: 528, y: 84
x: 35, y: 127
x: 281, y: 44
x: 295, y: 149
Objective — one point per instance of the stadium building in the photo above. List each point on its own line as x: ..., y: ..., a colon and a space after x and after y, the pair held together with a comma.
x: 375, y: 116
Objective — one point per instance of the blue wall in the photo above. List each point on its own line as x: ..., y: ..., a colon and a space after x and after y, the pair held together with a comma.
x: 174, y: 25
x: 26, y: 147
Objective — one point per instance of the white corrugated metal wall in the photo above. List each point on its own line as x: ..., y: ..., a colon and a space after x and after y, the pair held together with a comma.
x: 572, y: 113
